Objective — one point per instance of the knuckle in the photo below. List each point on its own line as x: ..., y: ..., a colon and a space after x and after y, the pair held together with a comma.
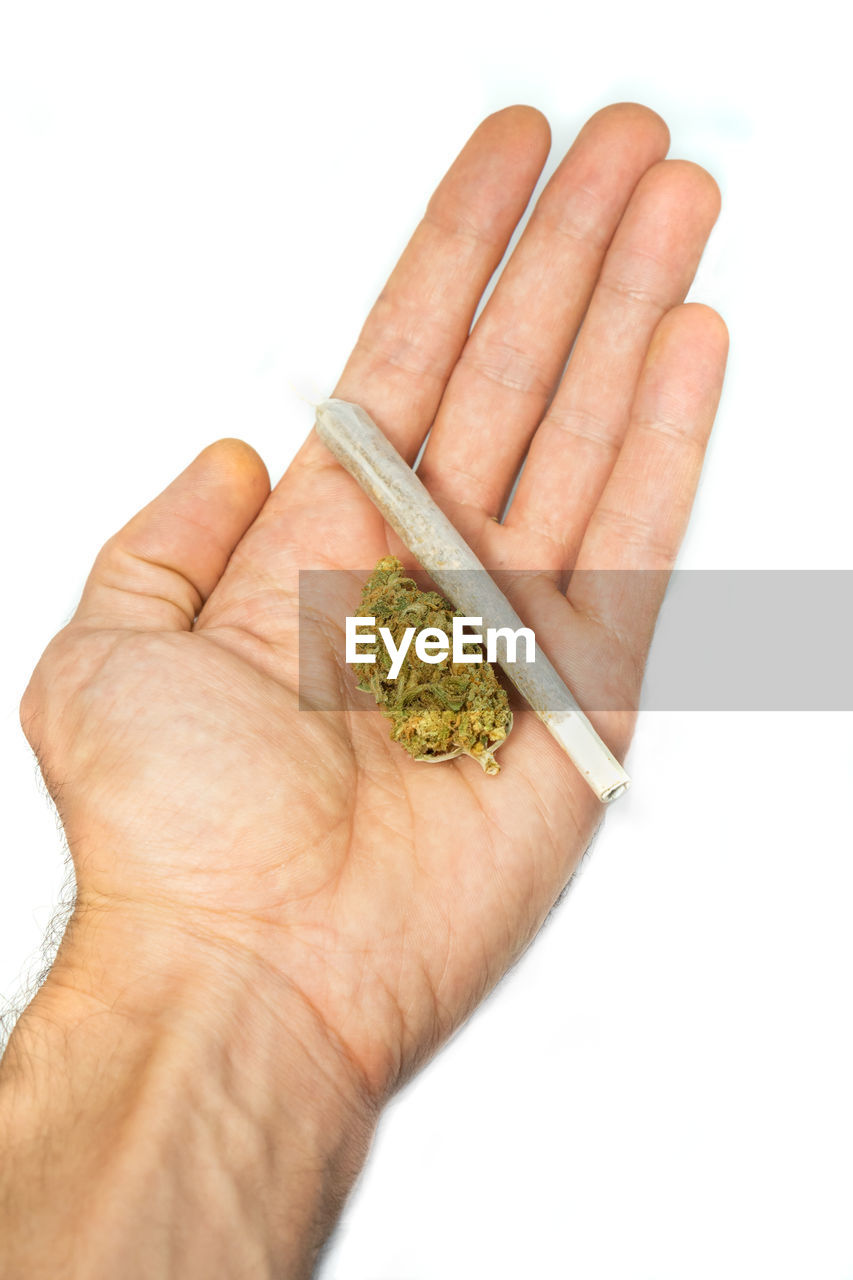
x: 508, y: 366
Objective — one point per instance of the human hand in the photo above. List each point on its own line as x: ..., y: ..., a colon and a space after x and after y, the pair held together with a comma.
x: 203, y: 809
x: 280, y: 915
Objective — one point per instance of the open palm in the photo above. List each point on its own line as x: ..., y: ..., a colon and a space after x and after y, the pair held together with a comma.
x: 392, y: 895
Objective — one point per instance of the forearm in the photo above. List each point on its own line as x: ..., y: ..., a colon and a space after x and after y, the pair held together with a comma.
x: 170, y: 1122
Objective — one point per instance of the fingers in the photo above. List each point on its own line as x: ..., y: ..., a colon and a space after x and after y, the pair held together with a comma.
x: 648, y: 270
x: 415, y: 331
x: 643, y: 511
x: 157, y: 571
x: 514, y: 357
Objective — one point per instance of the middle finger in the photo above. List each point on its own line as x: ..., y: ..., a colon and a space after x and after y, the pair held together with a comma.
x: 513, y: 358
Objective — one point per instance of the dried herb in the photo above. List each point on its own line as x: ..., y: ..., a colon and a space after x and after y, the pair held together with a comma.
x: 437, y: 710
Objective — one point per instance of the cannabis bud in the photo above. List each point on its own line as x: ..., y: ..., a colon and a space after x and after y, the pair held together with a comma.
x: 439, y: 709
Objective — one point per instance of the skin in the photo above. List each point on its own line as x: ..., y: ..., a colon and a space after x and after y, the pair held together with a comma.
x: 280, y: 915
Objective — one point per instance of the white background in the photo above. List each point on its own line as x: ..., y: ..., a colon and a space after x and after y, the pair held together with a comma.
x: 201, y: 202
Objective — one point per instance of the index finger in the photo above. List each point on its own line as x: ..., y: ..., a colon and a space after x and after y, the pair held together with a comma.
x: 418, y: 325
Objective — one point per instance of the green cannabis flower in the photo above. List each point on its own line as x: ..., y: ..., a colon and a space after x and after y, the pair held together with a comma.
x: 437, y: 710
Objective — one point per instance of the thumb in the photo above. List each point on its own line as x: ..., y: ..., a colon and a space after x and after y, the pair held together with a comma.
x: 156, y: 572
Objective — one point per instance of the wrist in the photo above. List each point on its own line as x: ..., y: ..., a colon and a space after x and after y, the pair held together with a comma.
x: 181, y: 1084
